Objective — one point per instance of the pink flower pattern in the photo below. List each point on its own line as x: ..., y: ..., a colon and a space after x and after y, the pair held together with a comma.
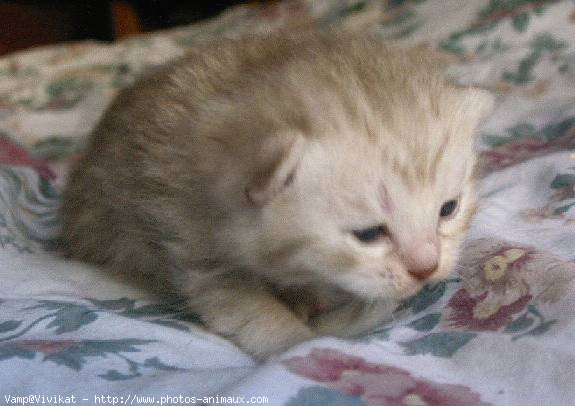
x: 473, y: 313
x: 378, y: 384
x: 47, y: 346
x: 13, y: 154
x: 525, y: 148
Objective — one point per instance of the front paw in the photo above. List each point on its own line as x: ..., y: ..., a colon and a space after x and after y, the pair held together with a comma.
x: 250, y: 317
x: 352, y: 319
x: 262, y: 333
x: 271, y: 340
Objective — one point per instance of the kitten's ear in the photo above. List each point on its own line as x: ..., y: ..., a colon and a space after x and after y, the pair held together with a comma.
x: 276, y: 165
x: 476, y: 104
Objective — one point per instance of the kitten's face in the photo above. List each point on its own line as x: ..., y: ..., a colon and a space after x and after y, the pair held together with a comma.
x: 378, y: 216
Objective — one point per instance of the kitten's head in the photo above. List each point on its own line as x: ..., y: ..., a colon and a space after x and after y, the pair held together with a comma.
x: 374, y: 196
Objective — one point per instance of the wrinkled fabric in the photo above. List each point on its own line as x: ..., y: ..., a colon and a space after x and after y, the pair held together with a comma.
x: 500, y: 331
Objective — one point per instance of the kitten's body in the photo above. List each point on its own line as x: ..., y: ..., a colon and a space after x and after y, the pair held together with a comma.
x: 238, y: 174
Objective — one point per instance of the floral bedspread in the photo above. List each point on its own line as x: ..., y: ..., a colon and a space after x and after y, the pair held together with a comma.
x: 501, y: 331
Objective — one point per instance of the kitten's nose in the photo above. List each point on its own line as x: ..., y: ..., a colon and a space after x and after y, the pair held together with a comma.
x: 422, y: 260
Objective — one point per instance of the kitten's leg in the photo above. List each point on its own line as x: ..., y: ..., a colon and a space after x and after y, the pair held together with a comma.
x: 352, y: 319
x: 249, y: 316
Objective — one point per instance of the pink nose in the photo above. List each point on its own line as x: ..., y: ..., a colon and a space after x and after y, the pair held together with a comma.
x: 421, y: 260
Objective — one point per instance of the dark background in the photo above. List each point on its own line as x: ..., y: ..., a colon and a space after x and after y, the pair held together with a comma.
x: 26, y: 23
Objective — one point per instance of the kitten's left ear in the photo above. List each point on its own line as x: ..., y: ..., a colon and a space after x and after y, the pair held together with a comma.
x: 476, y: 104
x: 276, y: 166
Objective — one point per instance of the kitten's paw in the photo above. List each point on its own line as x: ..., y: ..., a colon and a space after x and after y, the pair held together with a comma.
x: 256, y: 322
x: 352, y: 319
x: 267, y: 342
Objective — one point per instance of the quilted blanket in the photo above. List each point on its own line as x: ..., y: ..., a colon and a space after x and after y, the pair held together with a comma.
x: 500, y: 331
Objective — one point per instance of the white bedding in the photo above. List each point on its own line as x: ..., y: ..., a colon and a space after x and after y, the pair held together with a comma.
x: 502, y: 332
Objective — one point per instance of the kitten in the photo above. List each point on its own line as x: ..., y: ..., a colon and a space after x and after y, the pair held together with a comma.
x: 287, y: 186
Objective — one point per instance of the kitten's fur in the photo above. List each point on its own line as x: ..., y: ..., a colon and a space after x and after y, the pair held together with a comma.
x: 238, y: 173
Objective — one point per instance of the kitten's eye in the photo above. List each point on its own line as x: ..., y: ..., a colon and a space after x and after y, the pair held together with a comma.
x: 370, y: 234
x: 448, y: 208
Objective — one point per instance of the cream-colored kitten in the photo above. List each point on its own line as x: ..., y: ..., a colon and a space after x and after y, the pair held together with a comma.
x: 287, y: 186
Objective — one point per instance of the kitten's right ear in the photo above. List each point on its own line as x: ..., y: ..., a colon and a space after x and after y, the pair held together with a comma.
x: 276, y: 166
x: 476, y: 104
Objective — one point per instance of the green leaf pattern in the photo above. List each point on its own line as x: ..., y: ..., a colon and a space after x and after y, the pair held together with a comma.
x: 50, y: 100
x: 60, y: 318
